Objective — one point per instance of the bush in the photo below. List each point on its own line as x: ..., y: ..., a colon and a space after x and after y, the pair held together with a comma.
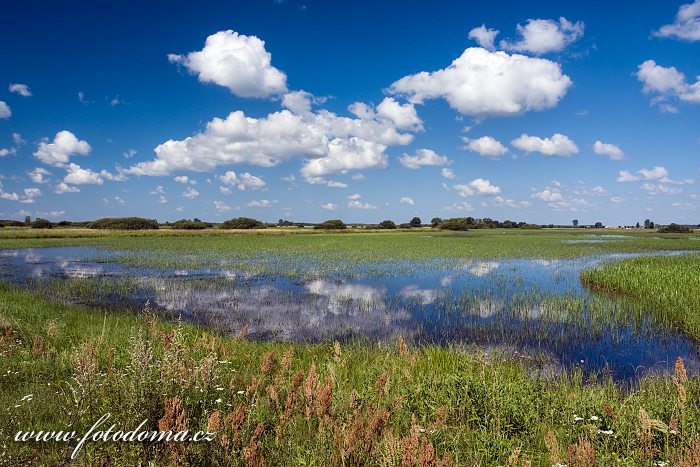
x: 242, y: 223
x: 674, y: 228
x: 11, y: 223
x: 64, y: 224
x: 456, y: 223
x: 387, y: 224
x: 124, y: 223
x: 331, y: 224
x: 405, y: 225
x: 530, y: 226
x: 40, y: 223
x: 190, y: 225
x: 415, y: 222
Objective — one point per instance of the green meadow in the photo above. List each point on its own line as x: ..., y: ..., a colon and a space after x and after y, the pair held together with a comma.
x: 365, y: 402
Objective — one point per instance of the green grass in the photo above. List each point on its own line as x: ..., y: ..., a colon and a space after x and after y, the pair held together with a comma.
x: 476, y: 408
x: 669, y: 285
x: 79, y: 363
x: 355, y: 246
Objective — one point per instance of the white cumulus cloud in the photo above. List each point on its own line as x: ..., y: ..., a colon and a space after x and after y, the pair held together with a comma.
x: 610, y: 150
x: 557, y: 145
x: 237, y: 62
x: 481, y: 83
x: 5, y: 111
x: 421, y: 158
x: 541, y: 36
x: 665, y: 83
x: 21, y: 89
x: 57, y: 153
x: 408, y: 201
x: 485, y: 146
x: 478, y: 186
x: 686, y: 26
x: 243, y: 181
x: 484, y: 36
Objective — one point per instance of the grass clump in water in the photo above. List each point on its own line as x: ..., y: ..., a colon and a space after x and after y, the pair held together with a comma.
x: 668, y: 285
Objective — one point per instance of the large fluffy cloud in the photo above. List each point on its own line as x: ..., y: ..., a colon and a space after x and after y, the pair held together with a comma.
x: 483, y: 84
x: 486, y: 146
x: 237, y: 62
x: 423, y: 157
x: 541, y: 36
x: 330, y: 143
x: 666, y: 83
x: 347, y: 154
x: 686, y: 26
x: 557, y: 145
x: 57, y: 153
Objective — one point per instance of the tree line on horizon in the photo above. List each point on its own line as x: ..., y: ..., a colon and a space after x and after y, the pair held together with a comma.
x: 246, y: 223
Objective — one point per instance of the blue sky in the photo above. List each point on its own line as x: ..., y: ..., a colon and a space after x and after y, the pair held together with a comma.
x: 355, y: 110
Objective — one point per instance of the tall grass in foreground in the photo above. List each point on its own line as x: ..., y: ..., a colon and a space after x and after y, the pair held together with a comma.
x: 668, y: 285
x: 62, y: 367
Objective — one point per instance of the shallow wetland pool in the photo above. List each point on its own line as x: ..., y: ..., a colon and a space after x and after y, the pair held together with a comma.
x: 534, y: 308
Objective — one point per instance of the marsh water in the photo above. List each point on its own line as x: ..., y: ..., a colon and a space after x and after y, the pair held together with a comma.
x: 533, y: 308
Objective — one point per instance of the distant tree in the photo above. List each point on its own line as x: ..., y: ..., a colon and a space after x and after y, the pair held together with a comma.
x: 415, y: 222
x: 487, y: 223
x: 184, y: 224
x: 196, y: 220
x: 637, y: 225
x: 598, y: 225
x: 674, y: 228
x: 456, y: 223
x: 40, y: 223
x: 647, y: 224
x: 508, y: 224
x: 387, y: 224
x: 64, y: 224
x: 242, y: 223
x: 435, y: 221
x: 331, y: 224
x: 124, y: 223
x: 27, y: 221
x: 530, y: 226
x: 284, y: 223
x: 575, y: 222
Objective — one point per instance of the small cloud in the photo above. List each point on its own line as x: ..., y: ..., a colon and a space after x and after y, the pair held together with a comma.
x: 408, y: 201
x: 21, y: 89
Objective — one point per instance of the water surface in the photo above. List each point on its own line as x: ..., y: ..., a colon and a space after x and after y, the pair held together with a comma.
x: 534, y: 308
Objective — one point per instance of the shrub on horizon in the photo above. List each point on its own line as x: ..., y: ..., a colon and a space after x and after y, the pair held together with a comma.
x: 40, y: 223
x: 331, y: 224
x: 190, y: 225
x: 242, y: 223
x: 674, y: 228
x: 124, y: 223
x: 456, y: 223
x: 387, y: 224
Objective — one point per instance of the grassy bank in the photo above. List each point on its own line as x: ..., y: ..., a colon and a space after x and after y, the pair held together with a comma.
x: 354, y: 245
x: 62, y: 367
x: 668, y: 285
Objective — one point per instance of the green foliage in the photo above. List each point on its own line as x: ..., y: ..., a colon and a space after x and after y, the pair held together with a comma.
x: 123, y: 223
x: 674, y: 228
x: 667, y: 284
x: 387, y: 225
x: 457, y: 223
x: 331, y: 224
x: 242, y: 223
x: 185, y: 224
x: 353, y: 404
x: 415, y: 222
x: 40, y: 223
x: 530, y: 226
